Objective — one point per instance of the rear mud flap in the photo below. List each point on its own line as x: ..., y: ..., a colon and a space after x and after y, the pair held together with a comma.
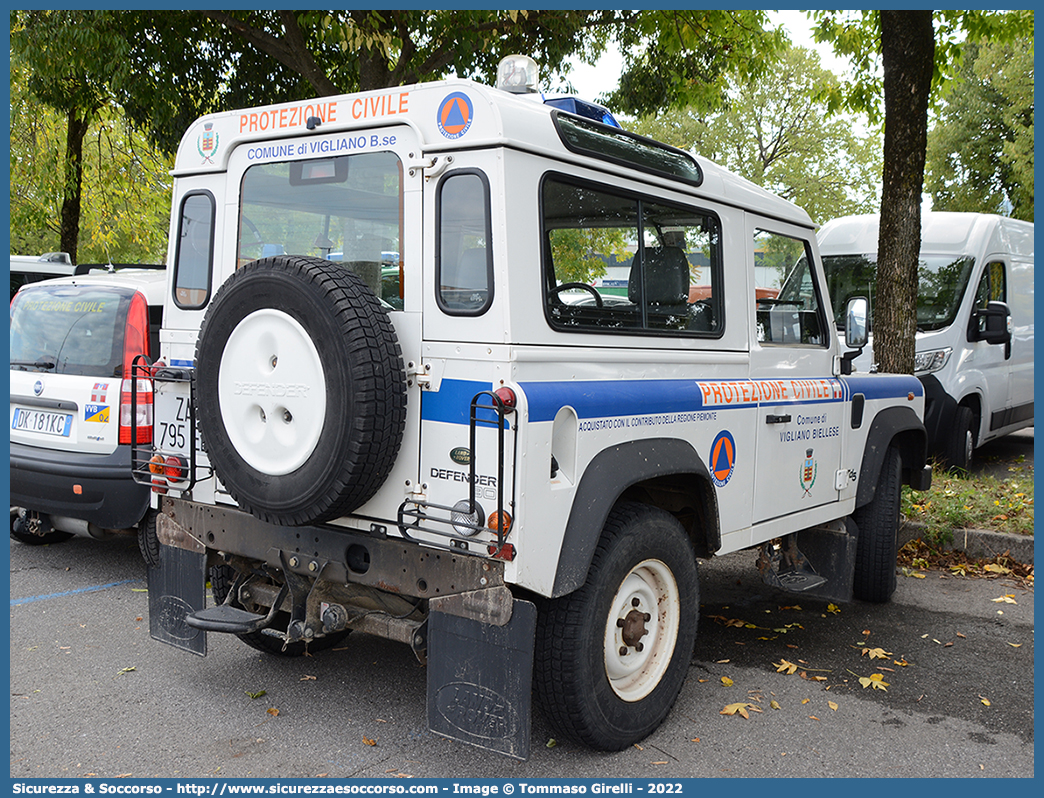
x: 833, y: 550
x: 177, y: 588
x: 480, y: 679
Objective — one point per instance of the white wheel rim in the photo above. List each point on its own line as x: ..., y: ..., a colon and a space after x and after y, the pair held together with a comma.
x: 649, y: 589
x: 272, y: 392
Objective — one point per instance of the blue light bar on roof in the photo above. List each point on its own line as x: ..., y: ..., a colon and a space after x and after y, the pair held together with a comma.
x: 583, y: 108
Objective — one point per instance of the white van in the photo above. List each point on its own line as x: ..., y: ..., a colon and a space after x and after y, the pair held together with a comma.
x: 507, y: 469
x: 974, y: 319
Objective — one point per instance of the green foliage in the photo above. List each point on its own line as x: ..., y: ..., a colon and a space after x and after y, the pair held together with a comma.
x: 775, y: 130
x: 856, y: 35
x: 125, y: 189
x: 980, y: 151
x: 676, y: 58
x: 578, y: 252
x: 965, y: 501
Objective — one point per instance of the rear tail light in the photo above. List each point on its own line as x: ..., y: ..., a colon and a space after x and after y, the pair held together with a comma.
x: 135, y: 343
x: 175, y: 468
x: 142, y: 409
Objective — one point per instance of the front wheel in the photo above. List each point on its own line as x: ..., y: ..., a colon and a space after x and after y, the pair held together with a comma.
x: 612, y: 656
x: 961, y: 441
x: 876, y: 545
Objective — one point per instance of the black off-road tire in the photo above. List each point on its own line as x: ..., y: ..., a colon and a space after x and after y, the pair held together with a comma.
x: 148, y: 542
x: 267, y: 641
x: 876, y: 544
x: 960, y: 443
x: 580, y: 674
x: 300, y: 389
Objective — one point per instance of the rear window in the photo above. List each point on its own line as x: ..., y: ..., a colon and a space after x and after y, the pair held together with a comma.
x: 69, y: 329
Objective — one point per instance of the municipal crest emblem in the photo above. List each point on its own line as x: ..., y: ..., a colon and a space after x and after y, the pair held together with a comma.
x: 808, y: 473
x: 207, y: 142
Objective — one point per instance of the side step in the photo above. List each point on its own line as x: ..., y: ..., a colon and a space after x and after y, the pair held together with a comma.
x: 233, y: 620
x: 787, y: 568
x: 832, y: 545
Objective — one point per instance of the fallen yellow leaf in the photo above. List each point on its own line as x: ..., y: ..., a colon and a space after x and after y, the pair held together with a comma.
x: 785, y: 667
x: 832, y: 705
x: 368, y: 741
x: 1006, y: 599
x: 725, y: 680
x: 833, y: 608
x: 739, y: 708
x: 273, y: 711
x: 875, y: 680
x: 985, y: 701
x: 774, y: 704
x: 877, y: 653
x: 1015, y: 645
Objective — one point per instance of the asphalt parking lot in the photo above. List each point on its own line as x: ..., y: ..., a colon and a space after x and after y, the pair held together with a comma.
x: 93, y: 695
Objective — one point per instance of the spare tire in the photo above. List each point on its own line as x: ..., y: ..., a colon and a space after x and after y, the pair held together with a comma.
x: 300, y: 389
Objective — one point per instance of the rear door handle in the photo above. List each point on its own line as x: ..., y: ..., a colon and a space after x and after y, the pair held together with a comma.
x: 777, y: 419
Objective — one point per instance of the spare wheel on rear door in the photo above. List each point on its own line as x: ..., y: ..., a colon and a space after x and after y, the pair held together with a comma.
x: 300, y: 389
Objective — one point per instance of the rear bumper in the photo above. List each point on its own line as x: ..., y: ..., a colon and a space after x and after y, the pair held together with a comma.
x: 44, y: 480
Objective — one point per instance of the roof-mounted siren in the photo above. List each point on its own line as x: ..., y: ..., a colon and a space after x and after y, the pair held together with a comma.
x: 518, y: 74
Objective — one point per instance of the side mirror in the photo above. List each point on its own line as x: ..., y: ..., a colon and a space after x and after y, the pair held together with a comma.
x: 855, y: 322
x: 992, y: 325
x: 856, y: 333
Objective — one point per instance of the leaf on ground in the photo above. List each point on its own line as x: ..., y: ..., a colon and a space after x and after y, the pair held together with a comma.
x: 257, y: 694
x: 875, y: 680
x: 785, y: 666
x: 832, y: 705
x: 806, y: 677
x: 1015, y: 645
x: 994, y: 568
x: 725, y: 680
x: 121, y: 671
x: 877, y: 653
x: 273, y: 711
x: 307, y: 678
x: 739, y: 708
x: 833, y: 609
x: 551, y: 743
x: 368, y: 741
x: 1006, y: 599
x: 902, y: 663
x: 774, y: 704
x: 985, y: 701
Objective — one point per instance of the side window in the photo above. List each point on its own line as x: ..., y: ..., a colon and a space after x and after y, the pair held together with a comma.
x: 786, y: 297
x: 464, y: 269
x: 614, y: 263
x: 992, y: 287
x: 195, y: 248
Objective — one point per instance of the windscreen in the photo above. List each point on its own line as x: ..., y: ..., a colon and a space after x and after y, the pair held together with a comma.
x: 941, y: 281
x: 69, y: 329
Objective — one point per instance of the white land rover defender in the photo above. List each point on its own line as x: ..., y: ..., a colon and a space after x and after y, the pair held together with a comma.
x: 508, y: 469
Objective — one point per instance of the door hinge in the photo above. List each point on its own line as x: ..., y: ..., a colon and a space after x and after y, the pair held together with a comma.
x: 419, y: 374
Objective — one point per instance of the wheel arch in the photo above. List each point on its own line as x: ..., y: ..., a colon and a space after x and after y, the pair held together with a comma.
x: 898, y: 425
x: 664, y: 472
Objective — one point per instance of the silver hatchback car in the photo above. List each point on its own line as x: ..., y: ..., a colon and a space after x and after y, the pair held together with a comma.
x: 73, y: 341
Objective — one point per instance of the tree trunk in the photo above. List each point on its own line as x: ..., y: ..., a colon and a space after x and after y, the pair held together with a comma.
x: 69, y: 232
x: 908, y: 57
